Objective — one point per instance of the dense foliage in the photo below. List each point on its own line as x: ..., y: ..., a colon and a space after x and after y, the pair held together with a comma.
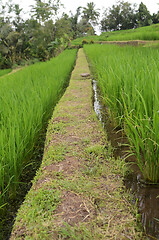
x: 44, y: 34
x: 124, y: 15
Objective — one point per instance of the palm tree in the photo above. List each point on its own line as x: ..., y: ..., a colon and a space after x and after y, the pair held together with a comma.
x: 90, y: 13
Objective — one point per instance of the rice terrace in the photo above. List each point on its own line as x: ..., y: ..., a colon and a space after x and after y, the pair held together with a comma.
x: 79, y: 122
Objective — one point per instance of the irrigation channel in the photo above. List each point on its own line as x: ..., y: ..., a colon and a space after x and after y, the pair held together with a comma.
x: 145, y: 196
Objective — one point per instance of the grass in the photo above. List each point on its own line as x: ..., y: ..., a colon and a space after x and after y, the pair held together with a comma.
x: 129, y: 81
x: 148, y: 33
x: 27, y: 99
x: 4, y: 71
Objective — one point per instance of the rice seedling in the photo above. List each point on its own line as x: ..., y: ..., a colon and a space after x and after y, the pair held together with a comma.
x: 129, y: 81
x: 27, y: 99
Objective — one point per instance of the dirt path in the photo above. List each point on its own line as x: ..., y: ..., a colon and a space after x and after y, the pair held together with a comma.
x: 129, y: 42
x: 78, y: 191
x: 15, y: 70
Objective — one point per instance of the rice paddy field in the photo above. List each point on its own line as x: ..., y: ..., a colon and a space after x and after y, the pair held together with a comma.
x: 4, y: 71
x: 142, y: 33
x: 128, y: 78
x: 27, y: 99
x: 148, y: 33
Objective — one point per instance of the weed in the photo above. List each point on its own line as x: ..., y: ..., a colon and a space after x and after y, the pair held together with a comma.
x: 55, y: 154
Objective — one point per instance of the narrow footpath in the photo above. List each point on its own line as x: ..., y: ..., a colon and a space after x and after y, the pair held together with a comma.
x: 78, y: 191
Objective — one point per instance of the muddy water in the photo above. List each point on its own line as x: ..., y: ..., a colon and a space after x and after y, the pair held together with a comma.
x: 145, y: 196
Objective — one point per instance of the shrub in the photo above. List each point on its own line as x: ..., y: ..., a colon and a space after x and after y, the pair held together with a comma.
x: 84, y: 41
x: 91, y: 41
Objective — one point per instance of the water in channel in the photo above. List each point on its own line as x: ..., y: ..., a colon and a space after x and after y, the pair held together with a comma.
x: 145, y: 196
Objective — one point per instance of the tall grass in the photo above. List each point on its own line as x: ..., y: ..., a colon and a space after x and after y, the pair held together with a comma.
x: 26, y: 101
x: 129, y: 80
x: 4, y: 71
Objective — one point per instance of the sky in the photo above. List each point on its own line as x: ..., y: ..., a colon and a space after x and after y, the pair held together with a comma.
x: 71, y: 5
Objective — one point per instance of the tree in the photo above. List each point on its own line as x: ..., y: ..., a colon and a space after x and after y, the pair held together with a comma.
x: 121, y: 16
x: 18, y: 21
x: 90, y: 14
x: 112, y: 19
x: 143, y: 16
x: 6, y: 29
x: 128, y: 15
x: 53, y: 47
x: 155, y: 18
x: 49, y: 31
x: 34, y: 37
x: 63, y: 26
x: 85, y: 28
x: 2, y: 10
x: 44, y: 10
x: 74, y: 22
x: 9, y: 44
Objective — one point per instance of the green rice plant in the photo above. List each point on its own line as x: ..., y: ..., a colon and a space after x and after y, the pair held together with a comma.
x: 142, y: 33
x: 134, y: 35
x: 4, y: 71
x: 27, y: 99
x: 129, y: 81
